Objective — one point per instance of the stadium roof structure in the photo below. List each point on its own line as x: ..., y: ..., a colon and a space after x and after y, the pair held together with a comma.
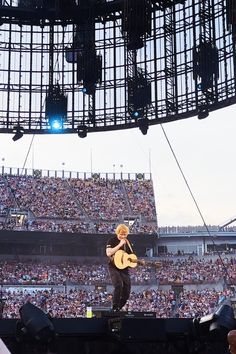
x: 81, y: 66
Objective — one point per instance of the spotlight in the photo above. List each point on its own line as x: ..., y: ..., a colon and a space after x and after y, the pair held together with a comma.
x: 225, y: 317
x: 56, y: 122
x: 82, y: 131
x: 137, y: 114
x: 35, y: 323
x: 203, y: 112
x: 139, y: 94
x: 89, y: 70
x: 199, y: 86
x: 217, y: 324
x: 206, y: 64
x: 19, y: 132
x: 56, y: 108
x: 143, y: 125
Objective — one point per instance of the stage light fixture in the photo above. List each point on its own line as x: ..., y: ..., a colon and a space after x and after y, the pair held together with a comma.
x: 89, y: 70
x: 137, y: 114
x: 19, y: 132
x: 203, y: 112
x: 139, y: 94
x: 218, y: 323
x: 82, y: 131
x: 143, y: 124
x: 56, y: 122
x: 206, y: 64
x: 35, y: 323
x: 136, y: 22
x: 225, y: 318
x: 56, y: 108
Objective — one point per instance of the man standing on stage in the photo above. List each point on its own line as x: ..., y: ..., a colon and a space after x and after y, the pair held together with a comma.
x: 120, y: 278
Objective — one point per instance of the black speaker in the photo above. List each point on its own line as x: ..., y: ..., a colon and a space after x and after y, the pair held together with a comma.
x: 36, y: 323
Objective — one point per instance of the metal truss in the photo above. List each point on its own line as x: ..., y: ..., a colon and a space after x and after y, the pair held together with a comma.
x: 37, y: 50
x: 170, y: 61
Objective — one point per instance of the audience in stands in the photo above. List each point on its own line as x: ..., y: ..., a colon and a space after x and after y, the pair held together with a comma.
x: 55, y: 204
x: 191, y: 304
x: 96, y: 205
x: 180, y: 271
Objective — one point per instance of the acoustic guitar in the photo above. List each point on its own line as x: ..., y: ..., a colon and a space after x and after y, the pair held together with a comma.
x: 124, y: 260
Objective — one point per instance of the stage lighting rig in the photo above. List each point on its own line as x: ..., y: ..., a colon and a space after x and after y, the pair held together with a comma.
x: 89, y: 70
x: 218, y: 323
x: 136, y: 22
x: 185, y: 66
x: 210, y: 331
x: 56, y: 108
x: 205, y: 64
x: 83, y: 50
x: 139, y: 94
x: 82, y: 131
x: 19, y: 132
x: 203, y: 112
x: 143, y: 124
x: 82, y: 41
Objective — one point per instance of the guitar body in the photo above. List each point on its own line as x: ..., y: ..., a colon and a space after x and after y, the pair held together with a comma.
x: 124, y: 260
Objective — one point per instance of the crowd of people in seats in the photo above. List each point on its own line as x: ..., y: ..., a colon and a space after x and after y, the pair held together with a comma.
x: 35, y: 273
x: 101, y: 199
x: 48, y: 197
x: 191, y: 304
x: 95, y: 206
x: 137, y: 193
x: 6, y: 198
x: 179, y: 271
x: 75, y: 205
x: 193, y: 229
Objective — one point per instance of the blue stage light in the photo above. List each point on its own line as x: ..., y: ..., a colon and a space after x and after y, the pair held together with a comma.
x: 56, y: 123
x: 56, y: 108
x: 199, y: 86
x: 136, y: 114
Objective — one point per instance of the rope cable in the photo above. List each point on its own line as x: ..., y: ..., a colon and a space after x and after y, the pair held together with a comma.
x: 196, y: 204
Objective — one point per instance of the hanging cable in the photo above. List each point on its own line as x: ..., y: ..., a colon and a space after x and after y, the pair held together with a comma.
x: 195, y: 202
x: 27, y: 155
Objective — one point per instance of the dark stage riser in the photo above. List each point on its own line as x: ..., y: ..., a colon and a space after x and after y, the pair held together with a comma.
x: 117, y: 335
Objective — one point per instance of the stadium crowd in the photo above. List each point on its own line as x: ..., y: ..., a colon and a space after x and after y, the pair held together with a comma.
x: 17, y: 277
x: 75, y: 205
x: 185, y: 271
x: 96, y: 205
x: 190, y: 304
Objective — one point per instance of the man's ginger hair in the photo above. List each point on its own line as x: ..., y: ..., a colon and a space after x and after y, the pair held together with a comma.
x: 122, y: 227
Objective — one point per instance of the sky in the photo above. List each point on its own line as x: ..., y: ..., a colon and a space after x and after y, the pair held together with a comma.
x: 205, y: 151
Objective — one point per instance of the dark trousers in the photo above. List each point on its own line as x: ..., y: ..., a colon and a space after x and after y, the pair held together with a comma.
x: 122, y: 286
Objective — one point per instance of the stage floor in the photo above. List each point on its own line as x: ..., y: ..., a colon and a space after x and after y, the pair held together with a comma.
x: 115, y: 334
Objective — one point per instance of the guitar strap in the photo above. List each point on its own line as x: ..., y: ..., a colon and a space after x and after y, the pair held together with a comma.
x: 130, y: 247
